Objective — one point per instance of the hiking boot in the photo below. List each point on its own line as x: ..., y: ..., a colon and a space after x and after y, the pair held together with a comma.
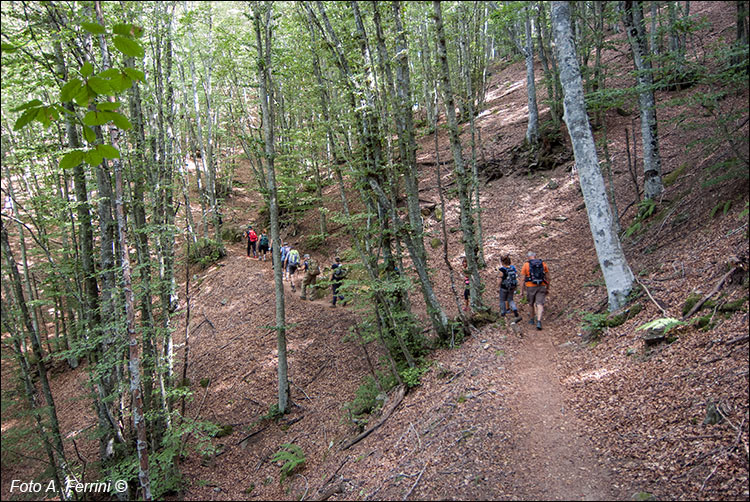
x: 517, y: 315
x: 531, y: 321
x: 539, y: 325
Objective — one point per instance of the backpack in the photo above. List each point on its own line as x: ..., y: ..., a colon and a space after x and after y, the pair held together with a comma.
x: 510, y: 282
x: 252, y: 235
x: 264, y: 240
x: 536, y: 272
x: 312, y: 268
x: 293, y: 257
x: 339, y: 273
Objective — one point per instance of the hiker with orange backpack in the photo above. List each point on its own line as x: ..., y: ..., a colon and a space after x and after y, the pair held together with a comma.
x: 252, y: 240
x: 536, y: 287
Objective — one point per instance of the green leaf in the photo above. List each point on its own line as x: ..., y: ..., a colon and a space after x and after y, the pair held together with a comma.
x: 93, y: 157
x: 95, y: 28
x: 70, y: 89
x: 83, y: 96
x: 109, y: 73
x: 108, y: 151
x: 95, y: 118
x: 71, y: 159
x: 43, y: 117
x: 662, y: 322
x: 128, y: 47
x: 120, y: 121
x: 6, y: 47
x: 120, y: 82
x: 89, y: 135
x: 87, y: 69
x: 31, y: 104
x: 108, y: 106
x: 99, y: 85
x: 25, y: 118
x: 122, y: 29
x: 134, y: 74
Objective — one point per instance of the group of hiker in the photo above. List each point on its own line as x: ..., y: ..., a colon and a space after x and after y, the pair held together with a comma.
x: 535, y: 273
x: 535, y: 286
x: 259, y: 245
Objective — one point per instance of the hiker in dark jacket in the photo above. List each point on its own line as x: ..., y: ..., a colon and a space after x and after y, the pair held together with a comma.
x: 508, y: 285
x: 467, y: 290
x: 337, y: 278
x: 535, y: 286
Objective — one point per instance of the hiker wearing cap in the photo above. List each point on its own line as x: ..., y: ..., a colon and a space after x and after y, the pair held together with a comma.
x: 508, y: 285
x: 252, y: 240
x: 312, y: 270
x: 337, y: 278
x: 536, y: 287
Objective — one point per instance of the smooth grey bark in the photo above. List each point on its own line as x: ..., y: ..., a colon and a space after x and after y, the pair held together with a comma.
x: 471, y: 247
x: 617, y: 274
x: 634, y: 26
x: 265, y: 94
x: 532, y: 130
x: 134, y: 364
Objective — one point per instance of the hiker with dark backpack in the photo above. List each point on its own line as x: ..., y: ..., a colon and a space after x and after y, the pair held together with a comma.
x: 467, y: 283
x: 292, y: 262
x: 284, y: 251
x: 312, y: 270
x: 508, y: 285
x: 337, y: 278
x: 252, y: 240
x: 536, y: 287
x: 263, y: 244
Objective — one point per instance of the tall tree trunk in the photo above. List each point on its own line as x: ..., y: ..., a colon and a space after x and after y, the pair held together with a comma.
x: 532, y: 131
x: 462, y: 179
x: 265, y: 93
x: 633, y: 20
x: 617, y: 274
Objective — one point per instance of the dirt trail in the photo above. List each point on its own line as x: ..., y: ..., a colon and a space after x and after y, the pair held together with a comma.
x: 553, y: 462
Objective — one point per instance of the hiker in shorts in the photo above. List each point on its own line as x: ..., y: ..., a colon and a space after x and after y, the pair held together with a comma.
x: 263, y: 244
x: 536, y: 287
x: 252, y: 240
x: 337, y: 278
x: 467, y: 290
x: 311, y: 269
x: 284, y: 250
x: 508, y: 285
x: 292, y: 262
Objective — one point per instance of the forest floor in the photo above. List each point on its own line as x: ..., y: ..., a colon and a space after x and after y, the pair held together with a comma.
x: 512, y: 412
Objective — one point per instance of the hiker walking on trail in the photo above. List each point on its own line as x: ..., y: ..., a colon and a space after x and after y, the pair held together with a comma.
x: 535, y: 286
x: 312, y: 270
x: 284, y: 250
x: 263, y: 244
x: 467, y: 290
x: 292, y: 259
x: 508, y: 285
x: 252, y: 240
x: 337, y: 278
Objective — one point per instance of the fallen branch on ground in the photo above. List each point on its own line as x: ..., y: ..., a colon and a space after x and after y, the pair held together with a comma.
x: 652, y: 298
x: 396, y: 401
x: 339, y: 488
x: 716, y: 289
x: 417, y: 481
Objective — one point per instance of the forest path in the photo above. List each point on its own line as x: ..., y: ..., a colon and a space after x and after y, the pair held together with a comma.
x: 552, y: 462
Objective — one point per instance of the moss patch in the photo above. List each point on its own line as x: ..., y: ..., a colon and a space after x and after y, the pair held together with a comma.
x: 692, y: 299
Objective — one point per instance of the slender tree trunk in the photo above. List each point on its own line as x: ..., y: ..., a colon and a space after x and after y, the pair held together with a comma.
x: 532, y: 131
x: 462, y: 179
x: 617, y: 274
x: 633, y: 20
x: 263, y: 38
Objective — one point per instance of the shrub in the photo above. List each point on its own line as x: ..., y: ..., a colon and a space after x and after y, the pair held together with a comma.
x: 206, y: 252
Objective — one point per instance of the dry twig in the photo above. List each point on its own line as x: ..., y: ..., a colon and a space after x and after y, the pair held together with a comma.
x: 652, y: 298
x: 417, y: 481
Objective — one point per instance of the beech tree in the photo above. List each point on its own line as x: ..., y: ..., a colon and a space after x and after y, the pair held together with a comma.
x: 634, y: 26
x: 617, y: 274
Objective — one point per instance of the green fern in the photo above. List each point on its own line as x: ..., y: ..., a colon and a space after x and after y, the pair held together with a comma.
x: 292, y: 456
x: 665, y: 323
